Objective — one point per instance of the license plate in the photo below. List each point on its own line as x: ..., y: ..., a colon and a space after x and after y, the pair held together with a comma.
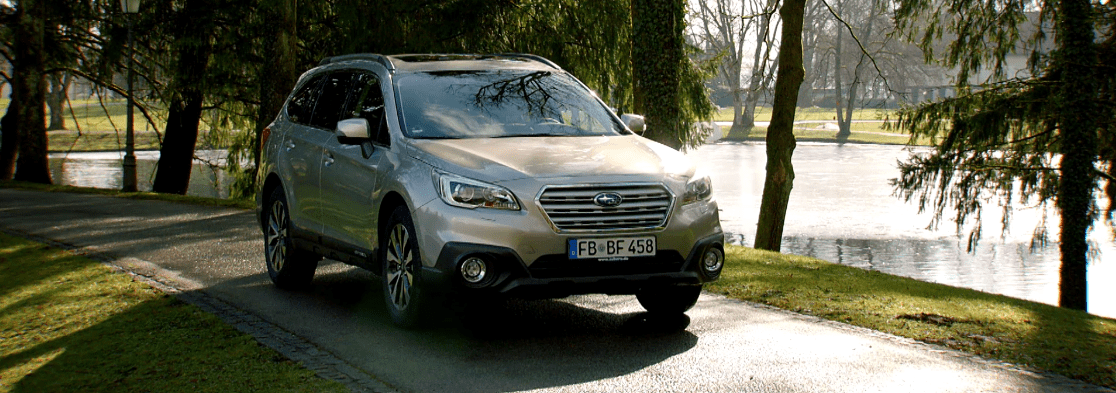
x: 615, y: 247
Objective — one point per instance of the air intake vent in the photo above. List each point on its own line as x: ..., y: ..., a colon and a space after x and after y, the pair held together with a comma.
x: 606, y: 207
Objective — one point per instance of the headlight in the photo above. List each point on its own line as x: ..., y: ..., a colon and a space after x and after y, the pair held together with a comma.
x: 471, y: 194
x: 698, y: 189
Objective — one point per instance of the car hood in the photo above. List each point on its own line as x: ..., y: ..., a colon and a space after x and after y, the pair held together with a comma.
x: 505, y: 159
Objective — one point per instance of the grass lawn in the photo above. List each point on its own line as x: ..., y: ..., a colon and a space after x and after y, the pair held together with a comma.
x: 813, y: 132
x: 812, y: 113
x: 71, y: 324
x: 93, y: 127
x: 819, y: 125
x: 1072, y: 343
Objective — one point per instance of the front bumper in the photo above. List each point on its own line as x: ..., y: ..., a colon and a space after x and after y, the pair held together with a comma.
x: 555, y: 275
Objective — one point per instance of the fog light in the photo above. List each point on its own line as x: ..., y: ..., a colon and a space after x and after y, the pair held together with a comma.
x: 473, y: 270
x: 713, y: 261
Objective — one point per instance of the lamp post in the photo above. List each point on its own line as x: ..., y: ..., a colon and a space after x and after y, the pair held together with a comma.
x: 130, y: 7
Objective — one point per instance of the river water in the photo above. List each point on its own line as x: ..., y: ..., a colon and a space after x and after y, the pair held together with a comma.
x: 841, y: 210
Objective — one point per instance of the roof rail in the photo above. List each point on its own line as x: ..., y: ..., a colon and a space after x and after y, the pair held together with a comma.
x: 360, y: 56
x: 529, y: 56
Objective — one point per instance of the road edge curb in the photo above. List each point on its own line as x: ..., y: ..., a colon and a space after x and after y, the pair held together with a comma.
x: 291, y: 346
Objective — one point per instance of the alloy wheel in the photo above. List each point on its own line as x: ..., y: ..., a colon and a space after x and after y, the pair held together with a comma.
x: 401, y: 267
x: 278, y: 224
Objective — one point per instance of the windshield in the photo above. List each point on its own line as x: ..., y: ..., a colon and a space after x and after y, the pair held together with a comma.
x: 498, y: 104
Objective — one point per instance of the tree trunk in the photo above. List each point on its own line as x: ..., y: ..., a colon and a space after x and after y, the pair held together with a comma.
x: 193, y: 48
x: 9, y: 144
x: 740, y: 126
x: 780, y: 137
x: 1077, y: 113
x: 176, y: 157
x: 839, y: 81
x: 278, y: 74
x: 657, y: 55
x: 32, y: 164
x: 56, y: 100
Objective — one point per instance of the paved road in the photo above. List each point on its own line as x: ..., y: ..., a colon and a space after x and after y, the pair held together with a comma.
x: 582, y: 344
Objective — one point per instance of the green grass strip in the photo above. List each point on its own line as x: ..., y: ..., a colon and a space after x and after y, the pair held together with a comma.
x: 1068, y: 342
x: 865, y: 134
x: 70, y: 324
x: 194, y: 200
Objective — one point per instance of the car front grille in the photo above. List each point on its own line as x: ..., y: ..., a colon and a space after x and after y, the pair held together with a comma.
x: 573, y: 208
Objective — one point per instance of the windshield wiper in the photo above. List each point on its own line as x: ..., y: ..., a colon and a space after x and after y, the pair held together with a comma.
x: 438, y: 137
x: 536, y: 134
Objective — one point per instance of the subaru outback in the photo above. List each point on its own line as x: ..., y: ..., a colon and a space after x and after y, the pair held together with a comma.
x: 488, y: 174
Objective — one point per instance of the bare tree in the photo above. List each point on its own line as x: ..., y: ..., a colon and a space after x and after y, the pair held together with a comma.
x: 731, y: 29
x: 56, y: 98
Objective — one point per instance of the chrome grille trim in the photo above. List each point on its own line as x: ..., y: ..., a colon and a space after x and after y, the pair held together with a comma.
x: 570, y: 208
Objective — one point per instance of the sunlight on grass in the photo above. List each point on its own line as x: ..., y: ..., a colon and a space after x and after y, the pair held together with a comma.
x: 19, y: 371
x: 70, y: 324
x: 1068, y: 342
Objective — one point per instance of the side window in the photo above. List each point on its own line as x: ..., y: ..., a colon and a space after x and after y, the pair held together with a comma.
x: 332, y: 101
x: 301, y: 105
x: 367, y: 101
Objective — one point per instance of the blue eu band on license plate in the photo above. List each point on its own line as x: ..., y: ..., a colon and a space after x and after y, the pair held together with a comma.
x: 616, y: 247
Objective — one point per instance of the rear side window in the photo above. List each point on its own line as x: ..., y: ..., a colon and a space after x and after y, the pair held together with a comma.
x: 301, y: 106
x: 366, y: 101
x: 331, y: 103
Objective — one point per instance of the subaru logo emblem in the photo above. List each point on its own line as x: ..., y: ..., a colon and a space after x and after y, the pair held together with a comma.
x: 608, y: 199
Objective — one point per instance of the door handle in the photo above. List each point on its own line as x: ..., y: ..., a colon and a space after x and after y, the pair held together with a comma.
x: 328, y: 159
x: 290, y: 145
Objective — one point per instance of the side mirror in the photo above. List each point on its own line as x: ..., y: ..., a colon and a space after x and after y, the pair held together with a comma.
x: 352, y: 131
x: 634, y: 122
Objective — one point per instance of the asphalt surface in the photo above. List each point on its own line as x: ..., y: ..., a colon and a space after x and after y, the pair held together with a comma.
x: 579, y: 344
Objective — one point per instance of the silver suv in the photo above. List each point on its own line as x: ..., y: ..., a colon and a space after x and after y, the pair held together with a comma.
x: 488, y: 174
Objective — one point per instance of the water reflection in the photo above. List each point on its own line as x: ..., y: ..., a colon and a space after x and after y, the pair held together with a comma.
x: 103, y: 170
x: 842, y: 210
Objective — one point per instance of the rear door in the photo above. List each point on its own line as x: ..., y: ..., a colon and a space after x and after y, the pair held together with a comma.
x: 300, y: 154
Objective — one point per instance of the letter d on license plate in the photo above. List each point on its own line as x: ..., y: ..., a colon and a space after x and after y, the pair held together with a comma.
x: 615, y: 247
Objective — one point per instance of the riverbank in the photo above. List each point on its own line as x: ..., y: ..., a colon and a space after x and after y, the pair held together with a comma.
x: 1067, y: 342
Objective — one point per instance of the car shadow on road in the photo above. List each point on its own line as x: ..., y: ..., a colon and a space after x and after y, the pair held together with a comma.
x: 490, y: 345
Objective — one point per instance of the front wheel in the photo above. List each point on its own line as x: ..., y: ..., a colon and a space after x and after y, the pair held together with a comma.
x: 670, y: 299
x: 402, y: 264
x: 288, y: 267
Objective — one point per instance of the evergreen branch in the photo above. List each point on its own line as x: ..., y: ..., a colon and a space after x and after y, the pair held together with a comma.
x: 1009, y: 168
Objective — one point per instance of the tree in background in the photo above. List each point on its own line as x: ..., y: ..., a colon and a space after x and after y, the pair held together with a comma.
x: 56, y: 99
x: 1035, y: 140
x: 724, y: 29
x: 662, y: 73
x: 29, y: 87
x: 216, y: 71
x: 779, y: 179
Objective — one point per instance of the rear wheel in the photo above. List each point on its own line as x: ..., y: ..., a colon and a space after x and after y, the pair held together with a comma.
x: 403, y: 293
x: 288, y: 267
x: 669, y: 299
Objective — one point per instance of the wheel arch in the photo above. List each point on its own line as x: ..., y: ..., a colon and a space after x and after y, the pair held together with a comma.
x: 270, y: 183
x: 388, y: 204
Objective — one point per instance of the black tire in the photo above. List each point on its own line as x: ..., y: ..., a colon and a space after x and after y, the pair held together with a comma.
x: 404, y: 295
x: 288, y: 267
x: 671, y: 299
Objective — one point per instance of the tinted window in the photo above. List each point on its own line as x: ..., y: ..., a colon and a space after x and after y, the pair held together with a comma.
x: 366, y: 100
x: 504, y: 103
x: 332, y: 100
x: 301, y: 105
